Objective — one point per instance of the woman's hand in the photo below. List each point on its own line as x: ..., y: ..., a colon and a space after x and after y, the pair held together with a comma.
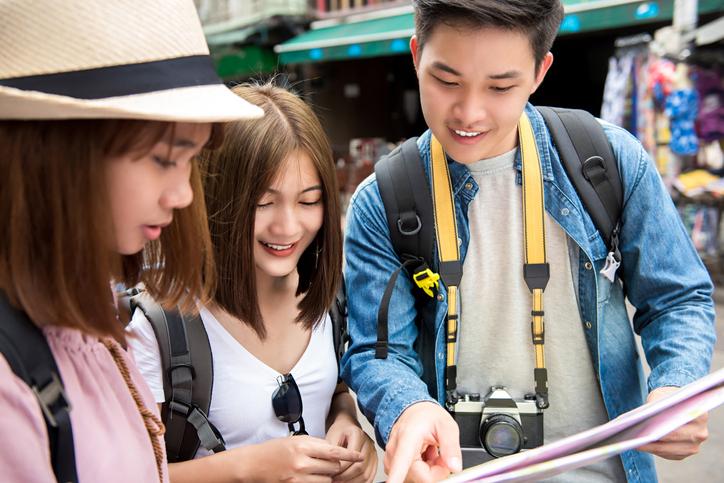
x: 346, y: 433
x: 296, y: 459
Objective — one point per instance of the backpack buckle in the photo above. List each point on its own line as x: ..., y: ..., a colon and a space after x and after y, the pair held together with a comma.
x: 427, y: 279
x: 51, y: 398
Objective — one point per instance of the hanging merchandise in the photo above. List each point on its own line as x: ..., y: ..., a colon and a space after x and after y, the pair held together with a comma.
x: 615, y: 89
x: 710, y: 86
x: 681, y: 108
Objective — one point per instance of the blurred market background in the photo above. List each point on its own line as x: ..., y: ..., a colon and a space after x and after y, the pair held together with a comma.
x: 653, y: 67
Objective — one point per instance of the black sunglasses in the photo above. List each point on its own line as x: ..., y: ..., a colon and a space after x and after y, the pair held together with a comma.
x: 287, y: 403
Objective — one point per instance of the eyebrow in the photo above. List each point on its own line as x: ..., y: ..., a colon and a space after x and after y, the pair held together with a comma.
x: 316, y: 187
x: 511, y: 74
x: 446, y: 68
x: 183, y: 143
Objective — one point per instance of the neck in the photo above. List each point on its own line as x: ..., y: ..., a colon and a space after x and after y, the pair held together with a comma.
x: 276, y: 293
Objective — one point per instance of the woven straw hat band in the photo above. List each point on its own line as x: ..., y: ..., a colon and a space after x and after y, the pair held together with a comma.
x: 43, y: 36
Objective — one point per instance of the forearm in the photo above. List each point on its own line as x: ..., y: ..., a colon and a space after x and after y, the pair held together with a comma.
x: 227, y: 466
x: 342, y: 407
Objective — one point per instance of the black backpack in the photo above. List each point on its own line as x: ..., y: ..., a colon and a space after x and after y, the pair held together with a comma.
x: 588, y: 161
x: 27, y: 352
x: 188, y: 376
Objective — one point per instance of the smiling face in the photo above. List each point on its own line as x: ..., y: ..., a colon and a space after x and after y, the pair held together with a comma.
x: 144, y: 192
x: 474, y: 85
x: 288, y: 216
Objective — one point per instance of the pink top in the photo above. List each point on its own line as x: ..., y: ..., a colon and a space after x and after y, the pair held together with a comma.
x: 111, y: 440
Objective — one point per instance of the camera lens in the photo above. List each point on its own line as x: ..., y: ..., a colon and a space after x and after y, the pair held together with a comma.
x: 501, y: 435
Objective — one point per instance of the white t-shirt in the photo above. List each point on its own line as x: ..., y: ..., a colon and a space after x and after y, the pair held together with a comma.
x: 241, y: 407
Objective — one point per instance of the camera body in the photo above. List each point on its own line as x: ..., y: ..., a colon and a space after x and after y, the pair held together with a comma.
x: 498, y: 423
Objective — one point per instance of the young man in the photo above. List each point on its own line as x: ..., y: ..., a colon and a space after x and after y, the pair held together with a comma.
x: 477, y: 63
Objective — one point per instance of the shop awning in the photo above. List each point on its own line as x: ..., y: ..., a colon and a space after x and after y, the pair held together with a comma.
x: 240, y: 62
x: 390, y: 35
x: 367, y: 38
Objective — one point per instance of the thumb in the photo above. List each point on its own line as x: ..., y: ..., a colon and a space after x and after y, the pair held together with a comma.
x: 449, y: 440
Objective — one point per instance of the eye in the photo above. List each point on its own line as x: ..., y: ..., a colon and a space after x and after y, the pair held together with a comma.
x: 501, y: 89
x: 263, y: 204
x: 311, y: 203
x: 164, y: 162
x: 444, y: 82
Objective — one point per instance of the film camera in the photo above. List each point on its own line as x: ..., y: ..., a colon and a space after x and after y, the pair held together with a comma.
x: 498, y: 423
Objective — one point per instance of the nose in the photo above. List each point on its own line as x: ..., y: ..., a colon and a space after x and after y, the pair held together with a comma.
x: 179, y: 193
x: 470, y: 110
x: 285, y: 222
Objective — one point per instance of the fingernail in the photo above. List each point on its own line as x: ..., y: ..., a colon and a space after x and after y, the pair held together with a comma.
x: 455, y: 464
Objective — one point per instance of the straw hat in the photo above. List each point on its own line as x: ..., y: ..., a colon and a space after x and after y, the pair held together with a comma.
x: 137, y: 59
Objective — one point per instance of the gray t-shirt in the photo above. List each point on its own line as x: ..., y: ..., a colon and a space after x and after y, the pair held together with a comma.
x: 495, y: 346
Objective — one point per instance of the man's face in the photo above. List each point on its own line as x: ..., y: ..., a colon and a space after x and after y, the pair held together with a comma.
x: 474, y: 84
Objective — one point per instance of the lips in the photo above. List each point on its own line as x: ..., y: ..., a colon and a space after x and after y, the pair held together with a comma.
x: 466, y: 137
x: 152, y: 232
x: 278, y: 249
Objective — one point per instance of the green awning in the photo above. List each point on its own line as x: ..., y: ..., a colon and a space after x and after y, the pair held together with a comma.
x: 249, y: 60
x: 390, y: 35
x: 369, y: 38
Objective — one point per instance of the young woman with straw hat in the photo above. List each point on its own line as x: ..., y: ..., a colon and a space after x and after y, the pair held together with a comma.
x: 103, y: 108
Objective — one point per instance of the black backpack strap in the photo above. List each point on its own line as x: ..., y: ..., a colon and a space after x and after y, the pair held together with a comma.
x: 408, y: 203
x: 407, y: 199
x: 24, y: 347
x: 591, y: 166
x: 188, y: 377
x: 338, y: 314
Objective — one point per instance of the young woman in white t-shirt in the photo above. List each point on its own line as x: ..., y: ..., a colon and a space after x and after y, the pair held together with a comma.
x: 274, y: 216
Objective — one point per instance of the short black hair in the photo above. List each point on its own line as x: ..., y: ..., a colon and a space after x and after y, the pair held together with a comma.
x: 539, y: 20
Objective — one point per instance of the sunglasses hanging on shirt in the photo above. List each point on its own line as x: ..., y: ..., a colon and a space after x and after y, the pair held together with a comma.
x: 287, y: 404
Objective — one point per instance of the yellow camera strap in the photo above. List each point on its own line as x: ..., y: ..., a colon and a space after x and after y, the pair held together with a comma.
x: 536, y: 271
x: 450, y: 266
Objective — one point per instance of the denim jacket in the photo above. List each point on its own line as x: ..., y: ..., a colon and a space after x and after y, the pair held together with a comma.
x: 664, y: 280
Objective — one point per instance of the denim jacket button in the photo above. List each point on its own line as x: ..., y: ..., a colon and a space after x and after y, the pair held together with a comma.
x: 565, y: 212
x: 468, y: 185
x: 588, y: 325
x: 588, y: 265
x: 440, y: 297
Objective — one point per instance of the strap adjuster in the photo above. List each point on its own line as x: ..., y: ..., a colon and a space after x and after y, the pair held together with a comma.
x: 52, y: 399
x: 538, y: 339
x: 427, y: 280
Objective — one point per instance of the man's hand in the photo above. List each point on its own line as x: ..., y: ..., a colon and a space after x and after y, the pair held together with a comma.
x: 681, y: 443
x: 424, y: 445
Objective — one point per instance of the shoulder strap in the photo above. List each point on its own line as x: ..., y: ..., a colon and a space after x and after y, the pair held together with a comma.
x: 408, y: 206
x: 188, y: 377
x: 28, y: 354
x: 408, y: 202
x: 338, y: 314
x: 591, y: 166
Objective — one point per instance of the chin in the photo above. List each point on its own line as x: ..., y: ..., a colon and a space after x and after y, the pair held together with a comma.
x: 130, y: 249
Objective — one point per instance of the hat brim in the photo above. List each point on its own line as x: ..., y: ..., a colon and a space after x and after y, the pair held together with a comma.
x: 205, y: 103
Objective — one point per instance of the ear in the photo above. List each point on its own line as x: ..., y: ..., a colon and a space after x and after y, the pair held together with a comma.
x: 415, y: 50
x: 542, y: 70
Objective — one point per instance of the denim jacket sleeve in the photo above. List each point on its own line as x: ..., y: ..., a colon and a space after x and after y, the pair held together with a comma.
x: 384, y: 387
x: 663, y: 275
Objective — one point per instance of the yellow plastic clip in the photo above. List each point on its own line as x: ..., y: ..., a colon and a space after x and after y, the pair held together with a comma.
x: 426, y: 280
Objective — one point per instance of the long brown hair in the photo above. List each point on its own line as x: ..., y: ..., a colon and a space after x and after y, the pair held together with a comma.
x: 236, y: 177
x: 55, y: 260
